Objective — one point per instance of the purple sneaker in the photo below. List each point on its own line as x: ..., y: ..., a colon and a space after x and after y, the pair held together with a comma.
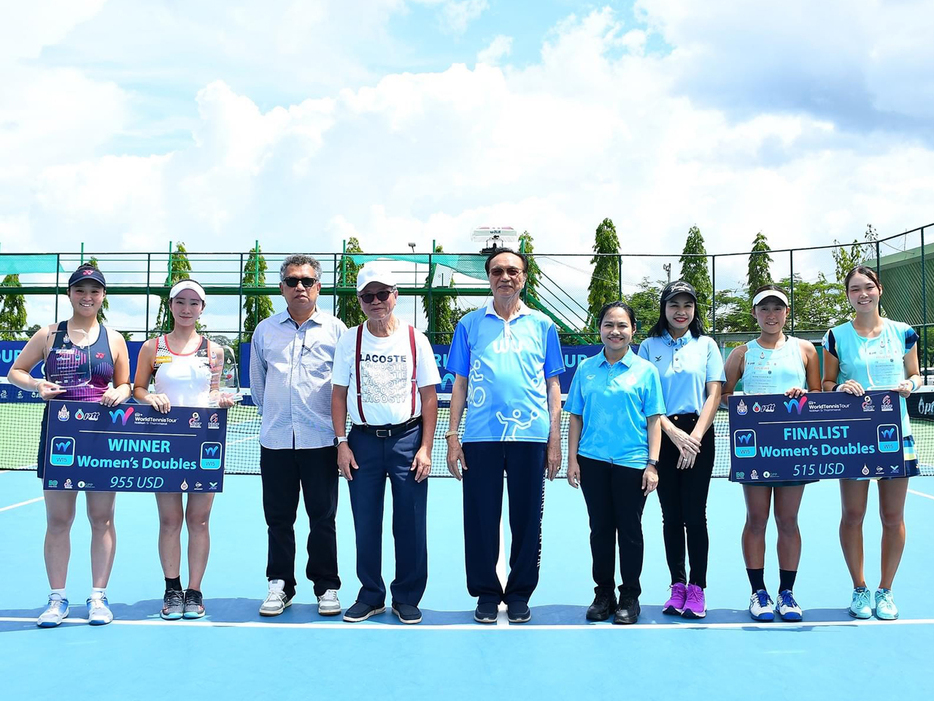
x: 694, y: 604
x: 675, y: 605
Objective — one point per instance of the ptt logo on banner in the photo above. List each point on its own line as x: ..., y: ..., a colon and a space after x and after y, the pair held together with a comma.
x: 887, y: 435
x: 796, y: 405
x: 744, y: 443
x: 211, y: 456
x: 63, y: 452
x: 122, y: 414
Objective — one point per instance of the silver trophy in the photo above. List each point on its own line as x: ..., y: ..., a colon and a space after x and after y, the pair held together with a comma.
x: 70, y: 365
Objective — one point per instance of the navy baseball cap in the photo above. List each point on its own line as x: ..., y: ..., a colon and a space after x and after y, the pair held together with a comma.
x: 85, y: 273
x: 676, y: 288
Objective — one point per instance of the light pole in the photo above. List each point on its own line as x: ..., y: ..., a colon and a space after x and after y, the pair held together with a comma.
x: 414, y: 285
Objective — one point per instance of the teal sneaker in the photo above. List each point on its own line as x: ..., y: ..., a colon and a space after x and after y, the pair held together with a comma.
x: 860, y: 606
x: 886, y: 609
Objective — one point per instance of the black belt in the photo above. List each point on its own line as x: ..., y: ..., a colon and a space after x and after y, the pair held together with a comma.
x: 389, y: 430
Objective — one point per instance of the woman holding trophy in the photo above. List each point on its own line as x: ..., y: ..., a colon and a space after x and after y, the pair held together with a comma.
x: 186, y: 368
x: 867, y: 353
x: 84, y: 361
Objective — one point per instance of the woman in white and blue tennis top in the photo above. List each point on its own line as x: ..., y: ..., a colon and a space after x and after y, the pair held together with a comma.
x: 186, y: 368
x: 866, y: 353
x: 690, y: 367
x: 615, y: 402
x: 773, y: 364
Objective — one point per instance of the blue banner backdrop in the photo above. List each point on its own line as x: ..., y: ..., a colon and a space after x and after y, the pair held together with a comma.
x: 134, y: 448
x: 572, y: 357
x: 827, y: 435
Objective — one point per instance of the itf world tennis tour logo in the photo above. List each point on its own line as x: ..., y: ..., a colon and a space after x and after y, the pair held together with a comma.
x: 211, y: 456
x: 888, y: 439
x: 744, y: 443
x: 63, y: 452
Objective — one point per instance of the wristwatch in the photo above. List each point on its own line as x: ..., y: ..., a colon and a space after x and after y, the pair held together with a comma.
x: 339, y: 439
x: 653, y: 463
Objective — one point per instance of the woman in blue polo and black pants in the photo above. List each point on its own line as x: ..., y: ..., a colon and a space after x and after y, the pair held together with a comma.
x: 691, y: 370
x: 615, y: 402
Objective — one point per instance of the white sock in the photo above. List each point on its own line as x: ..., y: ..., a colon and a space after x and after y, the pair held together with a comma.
x: 58, y: 594
x: 97, y: 593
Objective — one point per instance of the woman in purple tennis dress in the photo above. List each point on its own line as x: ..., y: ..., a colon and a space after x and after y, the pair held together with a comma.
x: 104, y: 376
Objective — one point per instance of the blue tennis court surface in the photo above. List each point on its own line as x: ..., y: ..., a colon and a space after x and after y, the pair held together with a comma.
x: 235, y: 654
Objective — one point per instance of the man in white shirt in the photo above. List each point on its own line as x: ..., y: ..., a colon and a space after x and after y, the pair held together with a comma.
x: 393, y: 406
x: 290, y: 381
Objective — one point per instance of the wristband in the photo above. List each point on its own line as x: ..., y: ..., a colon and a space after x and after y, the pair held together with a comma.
x: 835, y: 387
x: 914, y: 387
x: 449, y: 433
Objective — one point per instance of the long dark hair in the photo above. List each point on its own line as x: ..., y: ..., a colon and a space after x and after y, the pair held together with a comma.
x: 696, y: 327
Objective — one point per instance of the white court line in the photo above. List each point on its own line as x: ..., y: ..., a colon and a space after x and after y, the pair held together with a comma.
x: 22, y: 503
x: 477, y: 627
x: 921, y: 494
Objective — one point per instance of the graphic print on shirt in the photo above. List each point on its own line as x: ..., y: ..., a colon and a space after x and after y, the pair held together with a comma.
x: 515, y: 423
x: 475, y: 393
x: 384, y: 379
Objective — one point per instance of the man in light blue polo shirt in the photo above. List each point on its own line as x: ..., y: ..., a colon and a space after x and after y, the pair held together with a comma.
x: 507, y: 359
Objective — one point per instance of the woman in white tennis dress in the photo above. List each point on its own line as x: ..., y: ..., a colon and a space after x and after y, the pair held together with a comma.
x: 186, y: 369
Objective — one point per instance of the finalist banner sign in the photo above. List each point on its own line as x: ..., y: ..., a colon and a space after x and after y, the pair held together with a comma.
x: 134, y: 448
x: 826, y: 435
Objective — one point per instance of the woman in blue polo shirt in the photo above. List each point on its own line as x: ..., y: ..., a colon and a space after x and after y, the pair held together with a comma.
x: 691, y: 370
x: 615, y: 402
x: 866, y: 353
x: 773, y: 364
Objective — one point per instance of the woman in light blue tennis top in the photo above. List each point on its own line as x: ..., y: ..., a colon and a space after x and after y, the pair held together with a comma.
x: 866, y: 353
x: 773, y: 364
x: 615, y: 401
x: 691, y: 370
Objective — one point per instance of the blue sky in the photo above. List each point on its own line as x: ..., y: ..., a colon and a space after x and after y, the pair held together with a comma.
x: 126, y: 125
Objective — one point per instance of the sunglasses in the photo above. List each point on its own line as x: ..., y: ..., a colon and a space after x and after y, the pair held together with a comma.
x: 306, y: 281
x: 368, y: 297
x: 511, y: 272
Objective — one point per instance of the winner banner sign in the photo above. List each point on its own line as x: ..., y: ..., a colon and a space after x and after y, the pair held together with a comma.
x: 134, y: 448
x: 825, y: 435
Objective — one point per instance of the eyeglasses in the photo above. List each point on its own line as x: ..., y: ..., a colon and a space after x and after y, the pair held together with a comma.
x: 500, y: 272
x: 368, y: 297
x: 306, y: 281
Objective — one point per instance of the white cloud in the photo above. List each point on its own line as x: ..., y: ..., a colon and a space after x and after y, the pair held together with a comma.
x: 499, y: 48
x: 599, y: 127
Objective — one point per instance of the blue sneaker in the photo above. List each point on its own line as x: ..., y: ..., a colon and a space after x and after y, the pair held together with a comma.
x: 55, y: 612
x: 760, y: 606
x: 787, y: 608
x: 886, y: 609
x: 486, y: 613
x: 99, y: 613
x: 860, y: 606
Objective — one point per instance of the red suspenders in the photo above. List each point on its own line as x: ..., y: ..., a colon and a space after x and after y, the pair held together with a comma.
x: 357, y: 370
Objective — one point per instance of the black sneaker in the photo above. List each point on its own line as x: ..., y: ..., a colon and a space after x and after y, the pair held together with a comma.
x: 194, y: 604
x: 486, y: 613
x: 173, y: 605
x: 360, y: 612
x: 518, y: 612
x: 407, y: 613
x: 628, y: 611
x: 603, y: 606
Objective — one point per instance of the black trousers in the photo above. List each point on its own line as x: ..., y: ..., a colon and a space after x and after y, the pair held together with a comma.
x: 524, y: 465
x: 615, y: 503
x: 314, y: 473
x: 682, y: 495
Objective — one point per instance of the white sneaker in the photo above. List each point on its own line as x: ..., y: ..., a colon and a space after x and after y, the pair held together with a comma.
x: 55, y: 613
x: 277, y: 600
x: 760, y: 606
x: 329, y: 604
x: 99, y: 613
